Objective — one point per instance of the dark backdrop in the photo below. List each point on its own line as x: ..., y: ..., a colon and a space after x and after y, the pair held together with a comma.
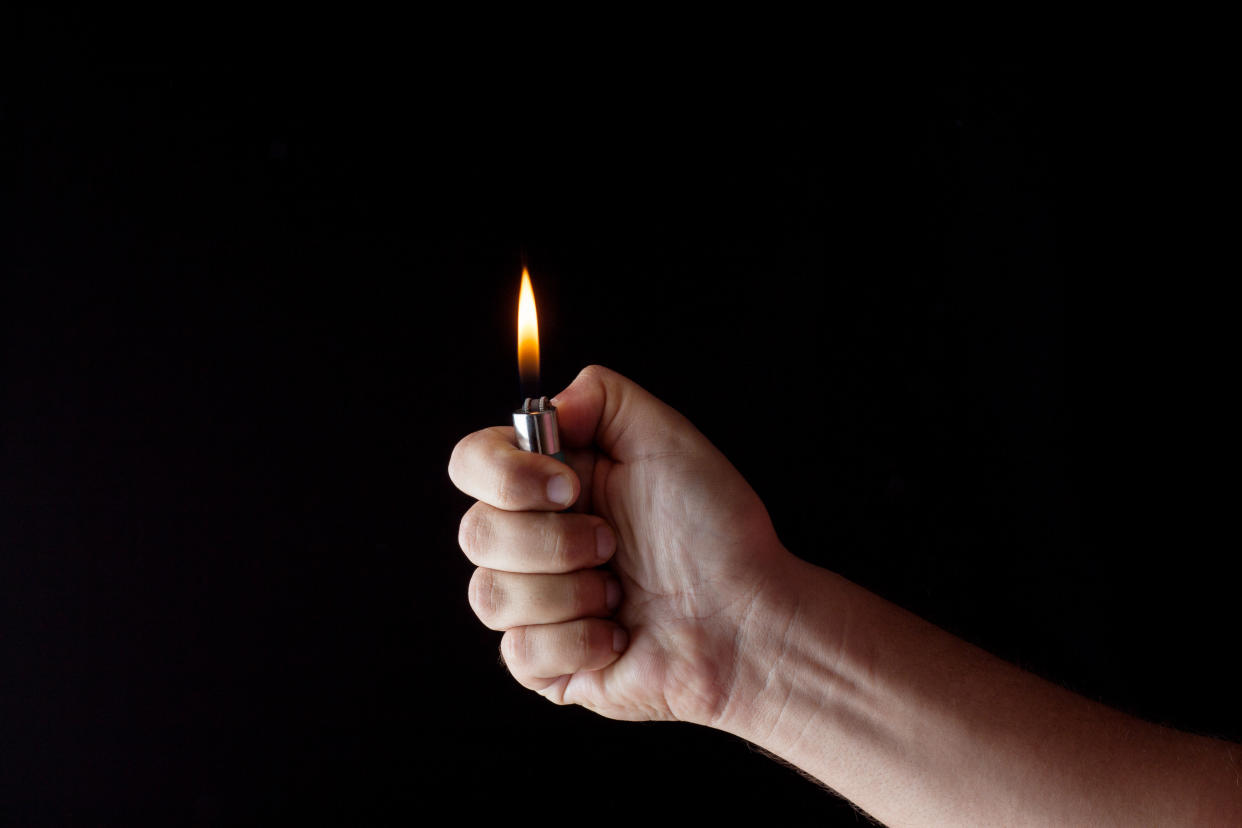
x: 247, y: 310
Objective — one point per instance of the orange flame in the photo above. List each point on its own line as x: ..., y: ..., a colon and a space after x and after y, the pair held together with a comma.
x: 528, y: 334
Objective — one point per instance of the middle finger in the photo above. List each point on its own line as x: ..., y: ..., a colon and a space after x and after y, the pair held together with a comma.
x: 534, y: 541
x: 504, y: 600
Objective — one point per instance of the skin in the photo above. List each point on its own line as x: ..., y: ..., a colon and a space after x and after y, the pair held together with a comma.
x: 664, y: 594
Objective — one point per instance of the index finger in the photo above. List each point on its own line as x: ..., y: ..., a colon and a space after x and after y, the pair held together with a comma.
x: 488, y: 466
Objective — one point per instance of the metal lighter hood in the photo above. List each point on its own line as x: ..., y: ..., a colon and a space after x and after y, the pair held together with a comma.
x: 535, y: 424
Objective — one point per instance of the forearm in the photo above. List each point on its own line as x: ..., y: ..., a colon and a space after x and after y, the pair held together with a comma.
x: 916, y: 726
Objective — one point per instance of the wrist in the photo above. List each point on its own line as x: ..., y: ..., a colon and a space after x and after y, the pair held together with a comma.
x: 788, y: 645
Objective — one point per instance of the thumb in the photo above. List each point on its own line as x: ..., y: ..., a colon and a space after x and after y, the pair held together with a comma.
x: 601, y: 407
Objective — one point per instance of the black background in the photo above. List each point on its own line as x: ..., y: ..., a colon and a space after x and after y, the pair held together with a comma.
x: 250, y: 303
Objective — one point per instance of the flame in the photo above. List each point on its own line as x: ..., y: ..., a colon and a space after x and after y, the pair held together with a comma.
x: 528, y: 333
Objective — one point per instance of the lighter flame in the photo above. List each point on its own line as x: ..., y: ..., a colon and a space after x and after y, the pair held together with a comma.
x: 528, y: 333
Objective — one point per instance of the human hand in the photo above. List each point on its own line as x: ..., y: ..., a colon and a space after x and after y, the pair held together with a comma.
x: 637, y: 603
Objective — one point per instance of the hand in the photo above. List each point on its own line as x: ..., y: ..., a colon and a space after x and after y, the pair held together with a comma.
x: 717, y: 624
x: 656, y: 632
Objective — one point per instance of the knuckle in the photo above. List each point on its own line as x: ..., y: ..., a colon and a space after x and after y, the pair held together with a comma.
x: 594, y: 370
x: 473, y: 533
x: 513, y: 649
x: 503, y: 482
x: 458, y: 457
x: 506, y: 649
x: 486, y: 595
x: 465, y: 533
x: 555, y: 692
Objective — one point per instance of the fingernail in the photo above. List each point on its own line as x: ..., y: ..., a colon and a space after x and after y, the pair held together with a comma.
x: 560, y: 490
x: 612, y: 594
x: 605, y: 542
x: 619, y: 639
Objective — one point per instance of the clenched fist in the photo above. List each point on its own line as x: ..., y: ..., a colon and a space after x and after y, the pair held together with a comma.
x: 636, y: 602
